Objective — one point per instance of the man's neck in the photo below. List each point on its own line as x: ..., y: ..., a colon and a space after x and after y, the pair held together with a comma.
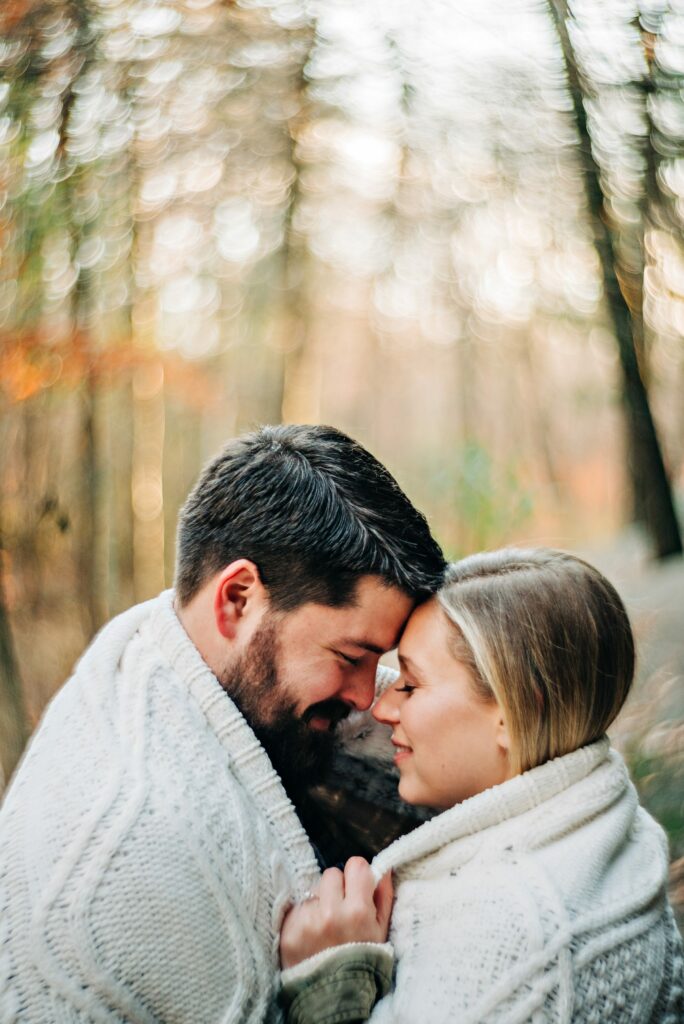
x: 197, y: 619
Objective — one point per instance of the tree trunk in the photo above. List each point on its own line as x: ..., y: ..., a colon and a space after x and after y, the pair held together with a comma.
x: 87, y: 512
x: 13, y: 725
x: 294, y: 342
x: 645, y: 459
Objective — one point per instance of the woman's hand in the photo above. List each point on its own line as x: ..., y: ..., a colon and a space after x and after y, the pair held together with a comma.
x: 347, y: 908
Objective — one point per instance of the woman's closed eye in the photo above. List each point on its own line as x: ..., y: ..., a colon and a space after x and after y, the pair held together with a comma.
x: 406, y: 688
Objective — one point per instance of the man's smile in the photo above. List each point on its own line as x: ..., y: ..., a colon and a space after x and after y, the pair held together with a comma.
x: 324, y: 715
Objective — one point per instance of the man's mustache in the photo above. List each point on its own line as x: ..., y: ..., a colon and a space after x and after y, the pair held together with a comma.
x: 332, y: 709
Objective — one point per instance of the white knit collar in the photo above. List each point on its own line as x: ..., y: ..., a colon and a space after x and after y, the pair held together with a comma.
x: 247, y: 757
x: 510, y: 800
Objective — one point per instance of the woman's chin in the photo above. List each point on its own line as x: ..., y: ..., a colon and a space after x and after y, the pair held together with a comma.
x: 418, y: 795
x: 404, y: 792
x: 411, y: 794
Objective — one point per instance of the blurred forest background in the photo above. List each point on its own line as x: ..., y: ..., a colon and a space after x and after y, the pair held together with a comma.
x: 452, y: 228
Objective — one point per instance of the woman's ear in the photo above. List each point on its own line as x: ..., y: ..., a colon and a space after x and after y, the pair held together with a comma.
x: 501, y: 733
x: 238, y: 597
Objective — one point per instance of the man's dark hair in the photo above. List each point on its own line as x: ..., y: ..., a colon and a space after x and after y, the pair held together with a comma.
x: 313, y: 510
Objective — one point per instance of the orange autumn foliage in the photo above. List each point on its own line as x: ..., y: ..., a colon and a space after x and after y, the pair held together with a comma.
x: 30, y: 364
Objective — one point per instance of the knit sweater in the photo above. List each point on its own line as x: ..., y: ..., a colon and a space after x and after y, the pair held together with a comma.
x: 540, y: 900
x: 147, y: 847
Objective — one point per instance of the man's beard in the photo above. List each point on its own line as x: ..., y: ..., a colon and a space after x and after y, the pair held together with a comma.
x: 301, y: 755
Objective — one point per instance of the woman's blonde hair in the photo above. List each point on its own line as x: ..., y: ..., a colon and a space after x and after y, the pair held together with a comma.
x: 547, y: 636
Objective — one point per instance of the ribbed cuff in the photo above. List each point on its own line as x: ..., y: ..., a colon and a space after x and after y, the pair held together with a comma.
x: 340, y: 985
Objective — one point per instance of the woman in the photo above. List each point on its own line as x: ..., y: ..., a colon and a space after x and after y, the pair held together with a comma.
x: 538, y: 894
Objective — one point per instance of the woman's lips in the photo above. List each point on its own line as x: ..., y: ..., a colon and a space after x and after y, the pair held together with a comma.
x: 401, y: 751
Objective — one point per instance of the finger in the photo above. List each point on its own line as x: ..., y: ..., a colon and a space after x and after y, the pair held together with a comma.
x: 331, y: 889
x: 384, y: 898
x: 359, y: 882
x: 358, y: 909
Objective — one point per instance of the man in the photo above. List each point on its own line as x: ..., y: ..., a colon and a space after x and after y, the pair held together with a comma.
x: 148, y: 849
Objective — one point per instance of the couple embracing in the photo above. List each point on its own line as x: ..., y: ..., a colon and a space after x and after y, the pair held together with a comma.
x: 153, y: 867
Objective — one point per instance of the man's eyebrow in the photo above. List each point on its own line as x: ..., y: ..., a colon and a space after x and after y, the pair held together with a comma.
x: 365, y: 645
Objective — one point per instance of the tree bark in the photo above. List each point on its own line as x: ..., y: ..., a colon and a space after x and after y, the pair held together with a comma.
x: 87, y: 558
x: 653, y: 492
x: 294, y: 345
x: 13, y: 725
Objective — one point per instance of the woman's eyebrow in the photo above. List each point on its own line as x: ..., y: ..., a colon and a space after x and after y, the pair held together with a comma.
x: 407, y: 663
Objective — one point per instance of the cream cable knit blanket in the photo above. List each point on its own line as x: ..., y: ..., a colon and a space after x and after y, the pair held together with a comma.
x: 541, y: 900
x: 147, y: 847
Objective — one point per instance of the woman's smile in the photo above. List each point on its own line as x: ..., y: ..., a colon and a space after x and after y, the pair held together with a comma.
x: 401, y: 752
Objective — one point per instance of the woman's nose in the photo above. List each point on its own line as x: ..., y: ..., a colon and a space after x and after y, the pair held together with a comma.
x: 386, y: 709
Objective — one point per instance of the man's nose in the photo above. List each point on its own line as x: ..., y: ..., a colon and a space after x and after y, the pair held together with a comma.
x: 360, y: 690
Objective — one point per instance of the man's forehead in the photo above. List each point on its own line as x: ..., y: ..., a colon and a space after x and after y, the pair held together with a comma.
x: 374, y: 623
x: 377, y: 637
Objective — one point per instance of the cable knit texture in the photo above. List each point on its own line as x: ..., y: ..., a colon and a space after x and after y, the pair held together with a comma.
x: 147, y: 847
x: 540, y: 900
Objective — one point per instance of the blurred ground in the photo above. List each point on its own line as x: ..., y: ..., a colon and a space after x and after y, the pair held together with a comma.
x: 650, y: 730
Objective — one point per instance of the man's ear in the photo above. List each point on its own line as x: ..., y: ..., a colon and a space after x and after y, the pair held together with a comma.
x: 239, y: 595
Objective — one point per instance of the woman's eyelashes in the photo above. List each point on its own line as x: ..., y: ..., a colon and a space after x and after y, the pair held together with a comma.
x: 406, y: 688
